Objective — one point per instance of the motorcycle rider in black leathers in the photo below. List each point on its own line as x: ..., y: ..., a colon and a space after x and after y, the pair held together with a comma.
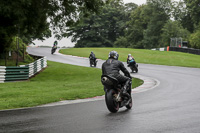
x: 92, y: 57
x: 112, y: 67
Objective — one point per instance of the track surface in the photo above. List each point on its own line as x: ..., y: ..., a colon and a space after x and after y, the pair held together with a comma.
x: 171, y: 107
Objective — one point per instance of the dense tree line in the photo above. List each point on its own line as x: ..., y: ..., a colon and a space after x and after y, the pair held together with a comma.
x: 150, y: 25
x: 101, y: 30
x: 92, y: 23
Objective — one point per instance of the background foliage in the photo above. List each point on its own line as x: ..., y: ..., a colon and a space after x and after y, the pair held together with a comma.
x: 32, y: 19
x: 147, y: 26
x: 93, y: 23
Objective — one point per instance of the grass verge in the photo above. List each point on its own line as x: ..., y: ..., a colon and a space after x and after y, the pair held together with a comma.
x: 141, y: 56
x: 57, y: 82
x: 12, y: 63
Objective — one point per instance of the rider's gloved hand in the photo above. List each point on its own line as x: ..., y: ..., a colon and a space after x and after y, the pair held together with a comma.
x: 128, y: 75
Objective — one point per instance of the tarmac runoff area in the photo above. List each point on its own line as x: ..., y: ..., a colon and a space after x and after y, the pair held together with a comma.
x: 149, y: 83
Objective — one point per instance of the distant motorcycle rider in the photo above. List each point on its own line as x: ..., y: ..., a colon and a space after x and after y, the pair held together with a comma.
x: 55, y: 45
x: 130, y: 59
x: 112, y: 66
x: 53, y: 49
x: 92, y: 56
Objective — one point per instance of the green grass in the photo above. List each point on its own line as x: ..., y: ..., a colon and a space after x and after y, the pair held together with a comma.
x: 136, y: 82
x: 141, y: 56
x: 13, y: 62
x: 10, y: 63
x: 57, y: 82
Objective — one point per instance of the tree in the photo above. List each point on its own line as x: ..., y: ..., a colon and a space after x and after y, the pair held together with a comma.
x: 100, y: 30
x: 193, y: 21
x: 193, y: 6
x: 136, y: 25
x: 160, y: 13
x: 195, y: 38
x: 32, y: 19
x: 173, y: 29
x: 121, y: 42
x: 180, y: 13
x: 146, y: 23
x: 129, y: 8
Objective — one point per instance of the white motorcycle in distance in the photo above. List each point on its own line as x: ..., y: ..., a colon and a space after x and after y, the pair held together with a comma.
x: 133, y: 66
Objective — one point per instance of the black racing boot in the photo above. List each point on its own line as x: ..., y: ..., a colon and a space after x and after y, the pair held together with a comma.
x: 124, y: 89
x: 125, y: 92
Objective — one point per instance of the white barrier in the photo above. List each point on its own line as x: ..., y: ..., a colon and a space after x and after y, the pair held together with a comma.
x: 37, y: 66
x: 22, y: 72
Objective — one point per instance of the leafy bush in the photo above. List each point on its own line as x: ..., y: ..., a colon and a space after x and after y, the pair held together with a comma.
x: 195, y: 39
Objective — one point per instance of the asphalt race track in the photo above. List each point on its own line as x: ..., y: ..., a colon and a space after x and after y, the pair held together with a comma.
x: 171, y: 107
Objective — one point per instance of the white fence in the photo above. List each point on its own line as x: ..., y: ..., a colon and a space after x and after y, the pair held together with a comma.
x: 22, y: 72
x: 37, y: 66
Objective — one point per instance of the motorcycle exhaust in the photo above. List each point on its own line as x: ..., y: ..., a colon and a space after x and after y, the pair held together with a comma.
x: 106, y: 81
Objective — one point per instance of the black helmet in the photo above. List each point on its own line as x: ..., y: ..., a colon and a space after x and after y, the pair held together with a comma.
x: 113, y: 54
x: 92, y: 52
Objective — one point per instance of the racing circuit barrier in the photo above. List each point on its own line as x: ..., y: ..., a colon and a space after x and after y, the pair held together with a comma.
x: 22, y: 72
x: 160, y: 49
x: 185, y: 50
x: 178, y: 49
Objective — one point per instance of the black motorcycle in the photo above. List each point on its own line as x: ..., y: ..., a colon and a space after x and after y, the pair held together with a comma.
x: 93, y: 62
x: 53, y: 50
x: 133, y: 66
x: 114, y: 97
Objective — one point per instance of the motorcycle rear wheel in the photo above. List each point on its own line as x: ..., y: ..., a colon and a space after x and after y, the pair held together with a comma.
x: 112, y: 104
x: 136, y: 70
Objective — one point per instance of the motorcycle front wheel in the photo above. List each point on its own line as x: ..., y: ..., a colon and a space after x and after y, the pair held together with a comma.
x: 136, y: 69
x: 112, y: 104
x: 132, y: 69
x: 53, y: 51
